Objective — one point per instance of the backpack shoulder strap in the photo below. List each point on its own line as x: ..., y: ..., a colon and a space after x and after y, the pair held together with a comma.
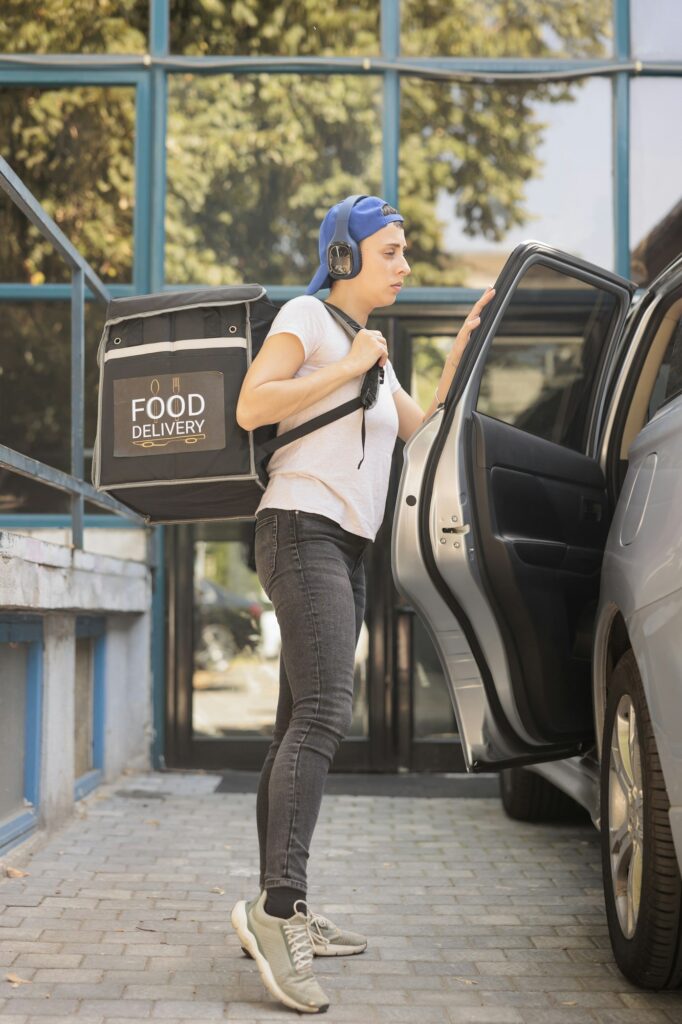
x: 361, y: 402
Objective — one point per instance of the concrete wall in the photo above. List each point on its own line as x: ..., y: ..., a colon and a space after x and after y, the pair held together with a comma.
x: 58, y: 584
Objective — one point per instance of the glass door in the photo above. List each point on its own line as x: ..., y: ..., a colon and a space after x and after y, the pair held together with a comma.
x: 225, y: 655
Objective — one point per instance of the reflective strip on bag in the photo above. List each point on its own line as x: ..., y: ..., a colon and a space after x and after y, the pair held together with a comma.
x: 174, y: 346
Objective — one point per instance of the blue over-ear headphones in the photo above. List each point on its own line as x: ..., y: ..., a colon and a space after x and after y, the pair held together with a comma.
x: 343, y: 252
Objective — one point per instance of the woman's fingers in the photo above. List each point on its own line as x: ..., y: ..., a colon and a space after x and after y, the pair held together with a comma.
x: 474, y: 318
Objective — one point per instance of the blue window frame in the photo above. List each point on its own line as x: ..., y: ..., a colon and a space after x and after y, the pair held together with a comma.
x: 26, y: 631
x: 91, y: 633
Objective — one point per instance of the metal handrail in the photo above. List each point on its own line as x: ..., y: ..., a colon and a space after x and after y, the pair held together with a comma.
x: 81, y: 272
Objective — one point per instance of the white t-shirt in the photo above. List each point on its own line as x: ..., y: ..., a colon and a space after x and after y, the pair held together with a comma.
x: 319, y: 472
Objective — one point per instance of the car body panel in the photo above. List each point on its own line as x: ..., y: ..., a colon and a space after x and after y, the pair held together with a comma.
x: 642, y: 579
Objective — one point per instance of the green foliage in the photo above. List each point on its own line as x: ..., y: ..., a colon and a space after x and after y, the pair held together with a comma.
x: 254, y: 160
x: 74, y: 26
x: 73, y: 148
x: 275, y: 27
x: 506, y: 28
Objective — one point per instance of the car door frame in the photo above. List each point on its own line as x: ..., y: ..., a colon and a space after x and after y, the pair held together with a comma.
x: 477, y: 672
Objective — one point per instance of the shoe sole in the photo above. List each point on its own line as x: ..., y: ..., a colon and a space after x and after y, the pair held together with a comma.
x: 250, y: 945
x: 332, y: 951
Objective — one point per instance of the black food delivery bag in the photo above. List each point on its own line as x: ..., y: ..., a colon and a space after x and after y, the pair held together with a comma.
x: 171, y: 366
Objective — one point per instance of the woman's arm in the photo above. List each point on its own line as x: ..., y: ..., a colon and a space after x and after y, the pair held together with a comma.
x: 410, y: 414
x: 270, y: 392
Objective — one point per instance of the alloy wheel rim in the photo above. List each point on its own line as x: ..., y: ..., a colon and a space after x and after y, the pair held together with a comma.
x: 626, y: 806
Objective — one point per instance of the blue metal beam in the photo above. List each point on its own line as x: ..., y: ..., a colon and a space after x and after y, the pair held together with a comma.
x: 21, y: 292
x: 142, y: 236
x: 390, y: 48
x: 77, y: 388
x: 115, y: 69
x: 156, y: 153
x: 53, y: 77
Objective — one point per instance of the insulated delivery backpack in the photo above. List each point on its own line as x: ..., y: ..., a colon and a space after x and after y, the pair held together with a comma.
x: 171, y: 366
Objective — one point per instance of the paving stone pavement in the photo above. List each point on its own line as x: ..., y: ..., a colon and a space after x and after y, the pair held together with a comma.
x: 123, y: 915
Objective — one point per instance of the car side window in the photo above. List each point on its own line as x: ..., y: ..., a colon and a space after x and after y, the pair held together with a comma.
x: 541, y: 368
x: 669, y: 379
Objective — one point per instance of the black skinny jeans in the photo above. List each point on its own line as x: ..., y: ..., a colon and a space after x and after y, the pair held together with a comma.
x: 312, y: 570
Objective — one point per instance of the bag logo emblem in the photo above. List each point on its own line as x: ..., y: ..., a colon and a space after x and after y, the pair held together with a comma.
x: 169, y: 412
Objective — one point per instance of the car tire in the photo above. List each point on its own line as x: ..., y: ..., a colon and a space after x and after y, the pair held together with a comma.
x: 642, y: 885
x: 526, y: 796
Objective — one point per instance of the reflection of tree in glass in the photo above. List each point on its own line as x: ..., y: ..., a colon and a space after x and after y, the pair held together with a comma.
x: 255, y: 160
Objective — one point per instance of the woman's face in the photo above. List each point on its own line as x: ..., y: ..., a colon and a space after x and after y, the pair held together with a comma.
x: 384, y: 267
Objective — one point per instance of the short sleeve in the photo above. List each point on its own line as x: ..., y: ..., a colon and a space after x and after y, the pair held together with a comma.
x: 300, y: 316
x: 393, y: 382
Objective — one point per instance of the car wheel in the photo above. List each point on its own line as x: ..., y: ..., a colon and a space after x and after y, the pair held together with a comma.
x: 526, y: 796
x: 642, y: 885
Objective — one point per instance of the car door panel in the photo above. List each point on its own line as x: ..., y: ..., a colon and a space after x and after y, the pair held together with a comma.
x: 540, y: 518
x: 498, y: 538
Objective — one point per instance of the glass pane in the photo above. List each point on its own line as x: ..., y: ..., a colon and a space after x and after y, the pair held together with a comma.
x: 13, y: 661
x: 35, y: 395
x: 432, y: 711
x: 655, y: 188
x: 254, y: 162
x: 484, y: 167
x: 668, y: 384
x: 528, y: 28
x: 74, y: 26
x: 287, y: 28
x: 83, y: 706
x: 542, y: 364
x: 656, y: 29
x: 429, y: 352
x: 237, y: 641
x: 73, y: 148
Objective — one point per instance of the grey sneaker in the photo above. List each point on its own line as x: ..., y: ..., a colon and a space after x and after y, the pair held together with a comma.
x: 283, y: 952
x: 330, y: 940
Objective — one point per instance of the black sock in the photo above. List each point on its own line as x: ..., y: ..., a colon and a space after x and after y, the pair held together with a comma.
x: 280, y: 901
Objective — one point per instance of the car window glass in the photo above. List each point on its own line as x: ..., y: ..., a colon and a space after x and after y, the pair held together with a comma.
x: 669, y: 379
x: 541, y: 368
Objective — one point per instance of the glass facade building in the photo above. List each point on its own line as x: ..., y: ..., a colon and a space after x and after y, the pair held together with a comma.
x: 181, y: 142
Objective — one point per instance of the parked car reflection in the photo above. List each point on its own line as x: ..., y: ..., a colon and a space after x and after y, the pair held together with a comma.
x: 225, y: 624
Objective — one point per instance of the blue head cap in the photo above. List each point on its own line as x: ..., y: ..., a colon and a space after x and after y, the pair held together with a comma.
x: 363, y: 215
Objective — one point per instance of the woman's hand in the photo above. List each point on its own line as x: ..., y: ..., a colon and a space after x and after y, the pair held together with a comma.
x: 472, y: 321
x: 460, y: 343
x: 368, y: 347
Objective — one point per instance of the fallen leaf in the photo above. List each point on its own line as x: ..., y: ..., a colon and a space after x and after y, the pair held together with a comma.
x: 15, y: 980
x: 221, y: 892
x: 15, y: 873
x: 151, y: 821
x: 467, y: 981
x: 569, y: 1002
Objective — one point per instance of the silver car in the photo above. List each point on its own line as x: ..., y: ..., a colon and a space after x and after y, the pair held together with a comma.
x: 538, y: 534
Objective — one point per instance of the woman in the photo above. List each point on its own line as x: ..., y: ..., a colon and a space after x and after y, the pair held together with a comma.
x: 323, y: 505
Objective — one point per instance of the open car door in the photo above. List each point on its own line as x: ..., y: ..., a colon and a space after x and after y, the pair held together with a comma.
x: 502, y: 511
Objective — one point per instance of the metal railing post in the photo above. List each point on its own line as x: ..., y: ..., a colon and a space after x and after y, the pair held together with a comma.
x: 77, y: 387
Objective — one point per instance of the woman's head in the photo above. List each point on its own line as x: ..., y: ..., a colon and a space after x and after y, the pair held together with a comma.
x: 377, y: 229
